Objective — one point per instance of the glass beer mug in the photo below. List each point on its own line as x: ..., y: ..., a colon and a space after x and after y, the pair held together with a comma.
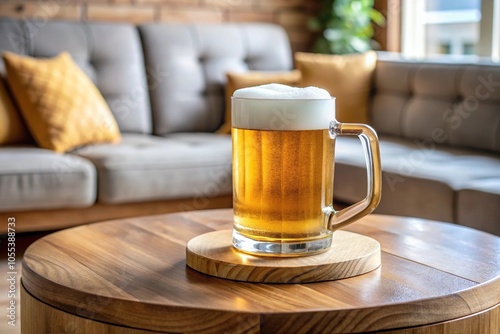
x: 283, y: 170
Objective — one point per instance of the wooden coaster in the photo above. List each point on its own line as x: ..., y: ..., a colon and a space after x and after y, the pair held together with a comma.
x: 351, y: 254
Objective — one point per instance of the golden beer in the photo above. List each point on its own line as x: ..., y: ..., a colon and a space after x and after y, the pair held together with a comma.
x: 283, y: 162
x: 279, y: 183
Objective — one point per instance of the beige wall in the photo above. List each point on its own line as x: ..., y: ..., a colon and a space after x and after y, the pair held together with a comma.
x: 291, y: 14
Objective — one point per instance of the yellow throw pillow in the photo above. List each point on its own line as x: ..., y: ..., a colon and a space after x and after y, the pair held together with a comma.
x: 249, y: 79
x: 347, y: 77
x: 61, y: 106
x: 12, y: 128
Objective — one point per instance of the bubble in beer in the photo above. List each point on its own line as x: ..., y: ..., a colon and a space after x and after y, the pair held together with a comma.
x: 279, y: 91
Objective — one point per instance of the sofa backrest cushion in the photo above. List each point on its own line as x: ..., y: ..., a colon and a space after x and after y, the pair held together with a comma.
x: 188, y: 63
x: 476, y: 121
x: 110, y: 54
x: 439, y: 102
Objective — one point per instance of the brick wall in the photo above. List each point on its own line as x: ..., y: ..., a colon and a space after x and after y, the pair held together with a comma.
x: 291, y: 14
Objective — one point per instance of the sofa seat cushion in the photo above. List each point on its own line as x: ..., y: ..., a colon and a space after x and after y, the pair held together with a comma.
x: 427, y: 174
x: 478, y: 205
x: 145, y: 167
x: 33, y: 178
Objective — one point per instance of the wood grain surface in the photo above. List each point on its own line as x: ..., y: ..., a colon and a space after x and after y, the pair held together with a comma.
x: 351, y: 254
x: 132, y: 273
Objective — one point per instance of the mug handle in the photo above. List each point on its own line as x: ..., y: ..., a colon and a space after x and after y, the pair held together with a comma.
x: 369, y: 140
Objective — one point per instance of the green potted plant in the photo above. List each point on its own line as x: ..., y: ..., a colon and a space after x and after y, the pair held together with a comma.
x: 345, y: 26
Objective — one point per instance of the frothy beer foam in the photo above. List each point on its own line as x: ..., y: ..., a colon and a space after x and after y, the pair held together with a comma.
x: 278, y: 91
x: 281, y: 107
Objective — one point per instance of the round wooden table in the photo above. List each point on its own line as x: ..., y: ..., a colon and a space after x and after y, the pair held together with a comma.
x: 130, y: 276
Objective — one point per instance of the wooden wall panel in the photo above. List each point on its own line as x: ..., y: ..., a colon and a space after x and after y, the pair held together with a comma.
x: 291, y: 14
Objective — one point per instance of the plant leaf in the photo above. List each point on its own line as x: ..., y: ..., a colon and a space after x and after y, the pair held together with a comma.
x: 347, y: 26
x: 377, y: 17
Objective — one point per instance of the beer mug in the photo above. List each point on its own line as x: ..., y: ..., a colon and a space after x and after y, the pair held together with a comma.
x: 283, y: 169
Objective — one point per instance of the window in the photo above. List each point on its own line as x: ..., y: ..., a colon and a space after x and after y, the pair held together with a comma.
x: 456, y: 27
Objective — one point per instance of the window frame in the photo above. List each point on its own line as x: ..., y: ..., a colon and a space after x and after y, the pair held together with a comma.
x: 413, y: 29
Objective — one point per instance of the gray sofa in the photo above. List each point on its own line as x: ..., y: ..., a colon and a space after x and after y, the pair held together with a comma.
x: 164, y: 83
x: 165, y: 86
x: 439, y: 128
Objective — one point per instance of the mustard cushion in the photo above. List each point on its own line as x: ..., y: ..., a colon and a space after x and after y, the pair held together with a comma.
x: 249, y: 79
x: 61, y: 106
x: 12, y: 127
x: 347, y: 77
